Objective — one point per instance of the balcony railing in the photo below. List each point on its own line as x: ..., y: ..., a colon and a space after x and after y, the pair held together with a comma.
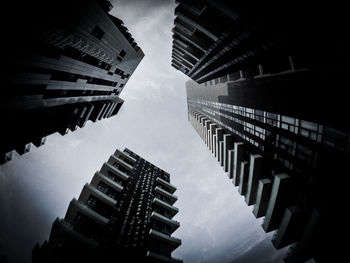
x: 172, y: 197
x: 161, y: 258
x: 99, y: 177
x: 172, y: 223
x: 88, y: 190
x: 174, y: 242
x: 121, y: 162
x: 75, y: 206
x: 171, y: 187
x: 116, y: 171
x: 127, y: 156
x: 161, y: 203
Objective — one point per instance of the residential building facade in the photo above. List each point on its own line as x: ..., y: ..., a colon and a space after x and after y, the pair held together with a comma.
x: 125, y: 214
x: 267, y: 97
x: 67, y: 63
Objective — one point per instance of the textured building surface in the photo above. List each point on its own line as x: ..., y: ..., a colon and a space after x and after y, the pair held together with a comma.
x: 66, y: 63
x: 124, y: 214
x: 268, y: 99
x: 215, y: 38
x: 283, y: 165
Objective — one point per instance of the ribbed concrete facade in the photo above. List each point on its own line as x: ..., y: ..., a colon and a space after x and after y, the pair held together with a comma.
x: 76, y: 60
x: 288, y: 197
x: 213, y: 38
x: 125, y: 213
x: 268, y: 99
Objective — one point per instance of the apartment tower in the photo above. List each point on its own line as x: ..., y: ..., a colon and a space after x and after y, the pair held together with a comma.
x: 124, y: 214
x: 267, y: 97
x: 66, y: 63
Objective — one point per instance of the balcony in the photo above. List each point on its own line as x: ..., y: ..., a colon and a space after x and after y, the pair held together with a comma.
x: 127, y: 156
x: 160, y: 258
x: 108, y: 167
x: 171, y: 187
x: 99, y: 177
x: 75, y: 206
x: 120, y: 162
x: 173, y: 198
x: 174, y: 242
x: 60, y: 227
x: 161, y: 203
x: 172, y: 223
x: 90, y: 190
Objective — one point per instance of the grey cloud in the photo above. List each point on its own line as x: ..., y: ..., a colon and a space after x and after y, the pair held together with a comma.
x: 216, y: 224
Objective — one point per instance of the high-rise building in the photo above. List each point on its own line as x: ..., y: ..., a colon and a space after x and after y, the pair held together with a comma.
x: 283, y: 164
x: 124, y: 214
x: 268, y: 99
x: 66, y: 63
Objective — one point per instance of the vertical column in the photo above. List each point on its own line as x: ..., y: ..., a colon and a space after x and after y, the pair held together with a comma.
x: 255, y: 173
x: 231, y: 154
x: 221, y: 153
x: 206, y: 129
x: 276, y: 203
x: 237, y: 159
x: 302, y: 246
x: 228, y: 145
x: 203, y: 128
x: 288, y: 230
x: 262, y: 197
x: 213, y: 126
x: 219, y: 138
x: 215, y: 152
x: 208, y: 136
x: 243, y: 182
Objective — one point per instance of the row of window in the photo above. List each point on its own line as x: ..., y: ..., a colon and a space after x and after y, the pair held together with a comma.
x: 99, y: 33
x: 313, y: 131
x: 291, y: 147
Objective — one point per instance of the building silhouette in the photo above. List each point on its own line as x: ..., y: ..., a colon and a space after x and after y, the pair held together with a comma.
x: 125, y: 214
x: 66, y: 63
x: 267, y: 97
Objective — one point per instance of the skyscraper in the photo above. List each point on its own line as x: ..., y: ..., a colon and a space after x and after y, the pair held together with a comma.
x: 125, y: 214
x: 268, y: 100
x: 66, y: 63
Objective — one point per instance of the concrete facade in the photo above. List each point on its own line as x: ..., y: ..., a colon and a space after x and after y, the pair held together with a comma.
x: 128, y: 197
x: 74, y: 64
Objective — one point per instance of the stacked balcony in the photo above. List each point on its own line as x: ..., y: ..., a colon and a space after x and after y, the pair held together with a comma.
x: 194, y: 35
x: 163, y: 224
x: 98, y: 198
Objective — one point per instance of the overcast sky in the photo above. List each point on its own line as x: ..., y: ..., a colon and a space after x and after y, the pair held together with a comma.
x: 216, y: 224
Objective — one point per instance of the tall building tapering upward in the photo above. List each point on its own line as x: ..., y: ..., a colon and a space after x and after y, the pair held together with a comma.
x: 124, y: 214
x: 268, y: 99
x: 66, y: 63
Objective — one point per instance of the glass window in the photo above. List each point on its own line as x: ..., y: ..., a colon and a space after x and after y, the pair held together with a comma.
x: 97, y: 32
x: 289, y: 120
x: 305, y: 150
x: 308, y: 125
x: 284, y: 126
x: 122, y: 53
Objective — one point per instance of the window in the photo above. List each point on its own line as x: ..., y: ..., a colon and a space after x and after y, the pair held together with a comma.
x: 308, y: 125
x: 122, y: 53
x: 97, y: 32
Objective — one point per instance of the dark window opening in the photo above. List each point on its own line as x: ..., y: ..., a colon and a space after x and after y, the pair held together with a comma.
x: 86, y: 58
x: 99, y: 207
x: 122, y: 53
x: 98, y: 32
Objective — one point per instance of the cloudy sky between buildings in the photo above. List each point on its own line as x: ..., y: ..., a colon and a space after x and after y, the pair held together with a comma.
x: 216, y: 224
